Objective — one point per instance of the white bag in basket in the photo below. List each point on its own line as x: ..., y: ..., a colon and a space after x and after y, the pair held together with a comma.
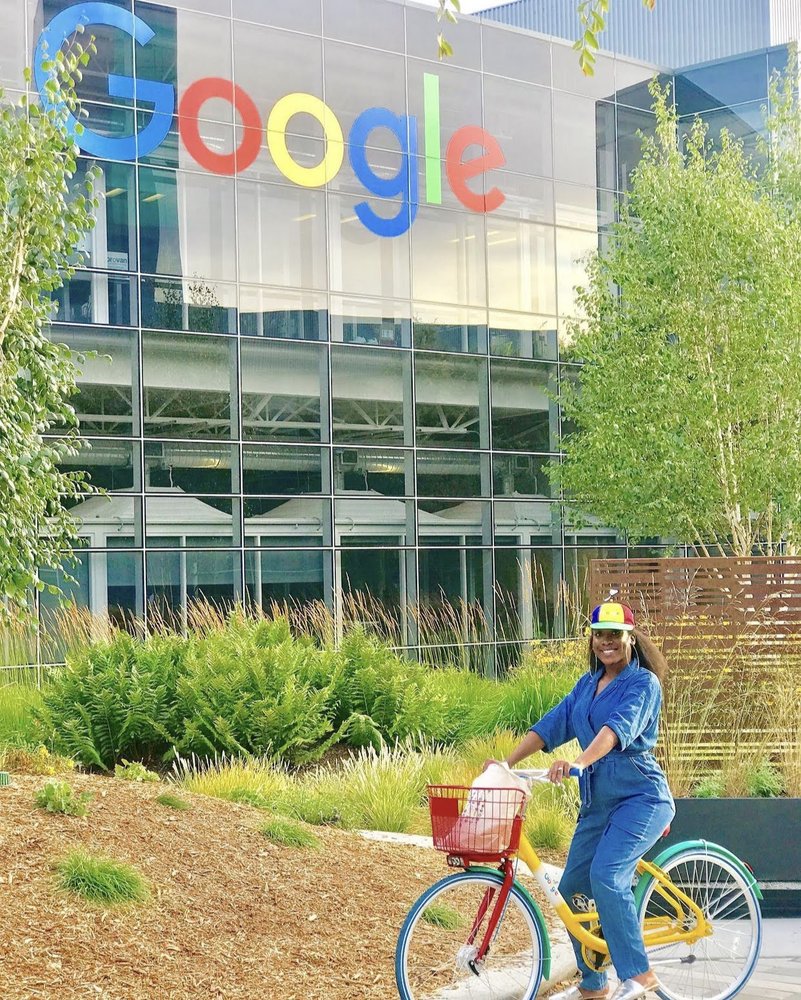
x: 485, y: 825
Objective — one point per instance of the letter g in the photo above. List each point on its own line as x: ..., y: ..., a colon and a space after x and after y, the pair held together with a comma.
x: 160, y: 95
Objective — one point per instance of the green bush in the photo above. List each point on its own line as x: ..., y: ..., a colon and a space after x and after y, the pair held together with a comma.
x: 172, y: 801
x: 115, y: 699
x: 288, y: 833
x: 134, y: 771
x: 34, y: 760
x: 17, y: 702
x: 60, y: 797
x: 101, y: 880
x: 763, y: 780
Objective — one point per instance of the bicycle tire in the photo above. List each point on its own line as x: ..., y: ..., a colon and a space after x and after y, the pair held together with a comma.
x: 428, y: 956
x: 715, y: 967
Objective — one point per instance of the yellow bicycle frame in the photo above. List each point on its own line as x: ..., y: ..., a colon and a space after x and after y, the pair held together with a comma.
x: 660, y: 930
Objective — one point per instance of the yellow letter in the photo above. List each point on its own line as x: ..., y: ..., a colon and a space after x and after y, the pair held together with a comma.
x: 327, y: 168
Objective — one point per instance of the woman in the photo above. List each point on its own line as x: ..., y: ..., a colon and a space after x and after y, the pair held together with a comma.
x: 613, y: 712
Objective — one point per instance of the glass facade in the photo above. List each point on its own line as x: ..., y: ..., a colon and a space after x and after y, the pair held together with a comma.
x: 327, y: 308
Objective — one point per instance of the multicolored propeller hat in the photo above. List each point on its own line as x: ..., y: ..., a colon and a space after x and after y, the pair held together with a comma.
x: 612, y: 615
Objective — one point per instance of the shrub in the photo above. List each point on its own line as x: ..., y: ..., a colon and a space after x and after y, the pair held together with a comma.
x: 17, y: 702
x: 288, y: 833
x: 173, y: 802
x: 134, y: 771
x: 763, y: 780
x: 101, y: 880
x: 443, y: 916
x: 385, y: 788
x: 60, y: 797
x: 116, y: 699
x: 34, y: 760
x: 710, y: 787
x: 548, y: 827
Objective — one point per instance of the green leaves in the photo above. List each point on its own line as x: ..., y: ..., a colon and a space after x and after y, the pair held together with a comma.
x: 687, y: 406
x: 447, y: 10
x: 41, y: 227
x: 592, y: 17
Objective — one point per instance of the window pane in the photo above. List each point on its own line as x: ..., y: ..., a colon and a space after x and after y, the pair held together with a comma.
x: 521, y: 335
x: 465, y: 36
x: 300, y: 15
x: 442, y: 522
x: 451, y: 401
x: 519, y: 117
x: 298, y: 257
x: 361, y: 262
x: 439, y: 327
x: 370, y: 321
x: 370, y: 392
x: 291, y: 576
x: 13, y: 47
x: 521, y: 522
x: 724, y: 82
x: 190, y: 522
x: 584, y: 141
x: 185, y: 467
x: 516, y: 54
x: 386, y: 471
x: 92, y: 297
x: 572, y: 249
x: 291, y: 315
x: 448, y: 257
x: 630, y: 123
x: 278, y: 523
x: 525, y: 593
x: 104, y: 403
x: 514, y: 475
x: 373, y: 522
x: 187, y: 224
x: 111, y: 465
x: 452, y: 598
x: 520, y: 263
x: 192, y: 304
x: 524, y: 418
x: 583, y: 207
x: 451, y: 474
x: 281, y: 391
x: 111, y: 245
x: 187, y: 386
x: 356, y: 21
x: 285, y: 471
x: 372, y: 577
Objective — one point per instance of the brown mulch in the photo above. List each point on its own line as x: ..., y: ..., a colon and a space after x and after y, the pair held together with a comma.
x: 232, y: 916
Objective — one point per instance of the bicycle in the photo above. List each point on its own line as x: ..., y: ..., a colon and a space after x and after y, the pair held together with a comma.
x: 478, y: 934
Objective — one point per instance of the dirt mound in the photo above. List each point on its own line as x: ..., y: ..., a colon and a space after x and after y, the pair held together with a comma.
x: 232, y: 916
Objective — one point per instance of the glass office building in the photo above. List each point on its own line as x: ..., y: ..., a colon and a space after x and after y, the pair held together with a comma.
x: 328, y: 290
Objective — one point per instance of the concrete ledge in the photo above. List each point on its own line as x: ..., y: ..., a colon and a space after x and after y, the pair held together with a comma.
x: 563, y: 961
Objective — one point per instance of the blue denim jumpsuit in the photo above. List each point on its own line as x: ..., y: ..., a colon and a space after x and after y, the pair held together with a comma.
x: 625, y: 806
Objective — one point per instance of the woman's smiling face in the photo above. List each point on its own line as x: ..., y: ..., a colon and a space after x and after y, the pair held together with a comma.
x: 612, y: 646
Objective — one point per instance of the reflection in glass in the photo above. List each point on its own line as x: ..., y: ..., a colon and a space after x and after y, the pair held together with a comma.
x: 526, y: 598
x: 383, y: 471
x: 584, y: 141
x: 111, y: 244
x: 109, y: 521
x: 190, y: 467
x: 187, y: 386
x: 382, y: 522
x: 298, y: 257
x: 450, y: 328
x: 630, y: 123
x: 370, y: 392
x: 371, y: 581
x: 92, y: 297
x: 177, y: 577
x: 290, y: 315
x: 521, y: 475
x: 111, y: 465
x: 520, y: 117
x: 108, y: 582
x: 522, y: 335
x: 174, y: 519
x: 357, y: 78
x: 441, y: 522
x: 281, y: 391
x: 452, y: 474
x: 360, y: 262
x: 378, y: 322
x: 448, y: 257
x: 186, y: 224
x: 283, y: 470
x: 192, y: 304
x: 291, y: 576
x: 104, y: 403
x: 451, y: 401
x: 520, y: 266
x: 526, y: 522
x: 524, y: 416
x: 273, y: 522
x: 453, y: 603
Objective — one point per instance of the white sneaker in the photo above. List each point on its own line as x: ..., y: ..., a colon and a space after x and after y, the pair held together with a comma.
x: 574, y: 993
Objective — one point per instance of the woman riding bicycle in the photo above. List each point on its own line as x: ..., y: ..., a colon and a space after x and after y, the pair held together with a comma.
x: 613, y: 712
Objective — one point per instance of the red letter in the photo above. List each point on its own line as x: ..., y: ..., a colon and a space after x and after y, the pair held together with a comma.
x: 193, y: 100
x: 459, y: 171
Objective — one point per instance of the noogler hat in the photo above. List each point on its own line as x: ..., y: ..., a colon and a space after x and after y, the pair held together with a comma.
x: 612, y: 615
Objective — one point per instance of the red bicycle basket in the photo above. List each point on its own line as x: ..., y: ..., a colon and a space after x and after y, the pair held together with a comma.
x: 480, y: 823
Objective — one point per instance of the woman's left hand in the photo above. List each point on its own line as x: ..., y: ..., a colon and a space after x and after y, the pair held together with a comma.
x: 558, y: 771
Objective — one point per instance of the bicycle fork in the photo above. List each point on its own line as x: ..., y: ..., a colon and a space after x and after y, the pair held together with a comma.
x: 470, y: 956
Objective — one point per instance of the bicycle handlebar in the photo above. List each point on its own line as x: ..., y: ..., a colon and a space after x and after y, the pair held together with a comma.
x: 541, y: 774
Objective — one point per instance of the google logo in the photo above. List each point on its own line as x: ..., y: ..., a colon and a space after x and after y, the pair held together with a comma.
x: 471, y: 150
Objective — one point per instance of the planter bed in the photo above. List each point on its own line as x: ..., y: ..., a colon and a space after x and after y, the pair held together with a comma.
x: 765, y: 833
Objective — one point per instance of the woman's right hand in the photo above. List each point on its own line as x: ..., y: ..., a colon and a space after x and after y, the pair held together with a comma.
x: 489, y: 761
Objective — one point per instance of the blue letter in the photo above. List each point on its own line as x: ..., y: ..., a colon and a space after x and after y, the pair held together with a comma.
x: 160, y: 95
x: 403, y: 183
